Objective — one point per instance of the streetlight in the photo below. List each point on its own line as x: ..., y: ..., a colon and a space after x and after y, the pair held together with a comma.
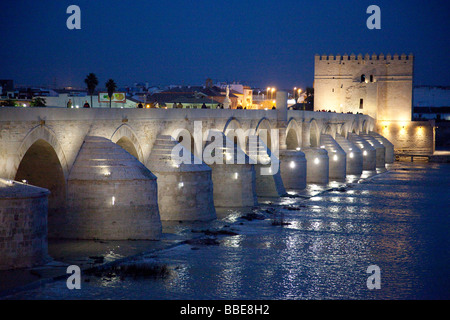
x: 268, y: 90
x: 295, y: 89
x: 273, y: 90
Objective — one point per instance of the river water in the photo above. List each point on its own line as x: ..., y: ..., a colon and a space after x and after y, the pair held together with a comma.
x: 398, y: 220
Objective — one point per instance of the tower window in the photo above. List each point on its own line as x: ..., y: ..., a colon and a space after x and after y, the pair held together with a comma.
x: 361, y: 103
x: 371, y: 78
x: 363, y: 78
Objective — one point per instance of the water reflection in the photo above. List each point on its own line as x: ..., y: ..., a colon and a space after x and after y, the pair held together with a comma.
x: 398, y: 220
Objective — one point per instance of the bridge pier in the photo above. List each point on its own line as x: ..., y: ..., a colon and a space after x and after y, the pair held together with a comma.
x: 379, y: 148
x: 234, y: 182
x: 369, y: 152
x: 390, y: 155
x: 268, y: 183
x: 23, y: 227
x: 354, y: 156
x: 317, y: 168
x: 185, y: 191
x: 293, y: 169
x: 337, y: 157
x: 111, y: 196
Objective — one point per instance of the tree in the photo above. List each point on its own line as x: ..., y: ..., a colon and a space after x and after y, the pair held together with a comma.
x: 91, y: 82
x: 8, y: 103
x: 111, y: 87
x: 309, y: 100
x: 38, y: 102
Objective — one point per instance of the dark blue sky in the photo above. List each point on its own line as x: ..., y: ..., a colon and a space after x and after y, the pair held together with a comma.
x: 261, y: 43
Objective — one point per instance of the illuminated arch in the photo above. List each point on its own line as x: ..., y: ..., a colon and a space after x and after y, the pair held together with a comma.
x: 354, y: 128
x: 41, y: 162
x: 264, y: 124
x: 46, y: 134
x: 293, y: 135
x: 314, y: 133
x: 125, y: 137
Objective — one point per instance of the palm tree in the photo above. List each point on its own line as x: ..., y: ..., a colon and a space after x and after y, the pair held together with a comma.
x: 38, y: 102
x: 91, y: 82
x: 111, y: 87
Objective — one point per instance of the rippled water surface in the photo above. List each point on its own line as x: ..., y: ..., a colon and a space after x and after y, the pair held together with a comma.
x: 398, y: 220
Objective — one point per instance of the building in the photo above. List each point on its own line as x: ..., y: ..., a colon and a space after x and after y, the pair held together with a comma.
x: 244, y: 95
x: 431, y: 102
x: 60, y: 98
x: 192, y: 97
x: 380, y: 86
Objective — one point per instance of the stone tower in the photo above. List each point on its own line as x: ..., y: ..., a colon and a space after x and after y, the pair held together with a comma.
x: 380, y: 86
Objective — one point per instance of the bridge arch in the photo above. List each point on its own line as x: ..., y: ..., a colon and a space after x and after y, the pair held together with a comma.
x: 330, y: 130
x: 42, y: 163
x: 354, y: 128
x: 264, y: 124
x: 46, y: 134
x: 314, y: 133
x: 367, y: 126
x: 125, y: 137
x: 229, y: 131
x: 340, y: 130
x: 232, y: 123
x: 293, y: 135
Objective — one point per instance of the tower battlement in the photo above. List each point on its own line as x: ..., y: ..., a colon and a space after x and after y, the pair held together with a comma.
x: 366, y: 57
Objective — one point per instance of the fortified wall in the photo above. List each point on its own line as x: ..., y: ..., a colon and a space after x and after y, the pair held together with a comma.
x: 378, y: 85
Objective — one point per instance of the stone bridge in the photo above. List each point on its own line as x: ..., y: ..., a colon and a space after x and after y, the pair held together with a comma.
x: 110, y: 174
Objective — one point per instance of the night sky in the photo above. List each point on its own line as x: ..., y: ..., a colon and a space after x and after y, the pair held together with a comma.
x: 260, y: 43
